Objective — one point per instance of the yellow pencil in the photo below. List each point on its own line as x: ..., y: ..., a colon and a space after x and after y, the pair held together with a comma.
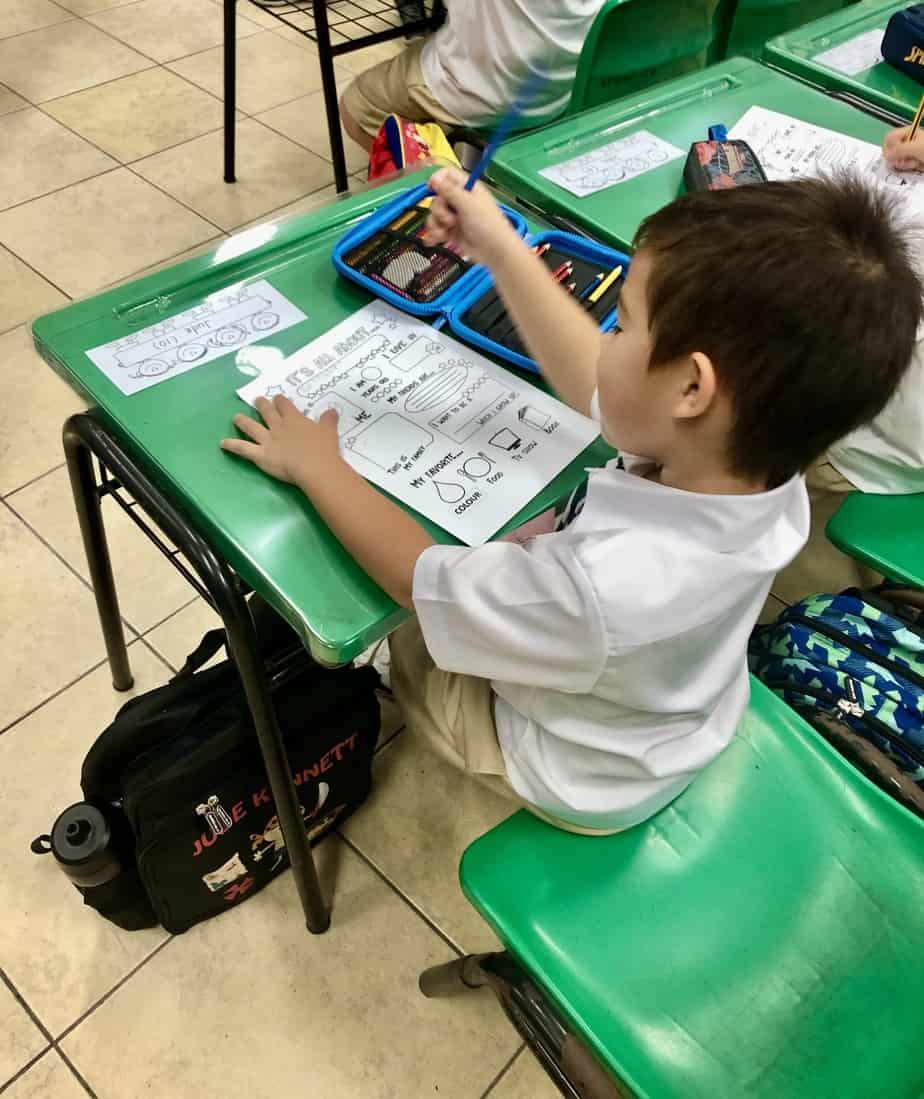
x: 918, y: 115
x: 604, y: 286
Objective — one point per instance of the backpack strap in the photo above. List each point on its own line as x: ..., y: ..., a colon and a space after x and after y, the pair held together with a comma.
x: 210, y: 644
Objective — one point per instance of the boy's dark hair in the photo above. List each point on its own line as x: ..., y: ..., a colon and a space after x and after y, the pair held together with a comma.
x: 804, y: 296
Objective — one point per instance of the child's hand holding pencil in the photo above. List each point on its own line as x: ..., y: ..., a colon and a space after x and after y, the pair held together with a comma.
x: 904, y: 148
x: 470, y: 220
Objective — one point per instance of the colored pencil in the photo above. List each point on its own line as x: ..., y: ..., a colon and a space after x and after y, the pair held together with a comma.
x: 594, y: 282
x: 918, y: 116
x: 605, y: 285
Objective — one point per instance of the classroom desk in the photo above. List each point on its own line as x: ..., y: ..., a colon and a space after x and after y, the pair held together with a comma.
x: 679, y: 111
x: 229, y: 519
x: 881, y: 86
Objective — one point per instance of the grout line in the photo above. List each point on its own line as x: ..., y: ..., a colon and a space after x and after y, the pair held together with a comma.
x: 167, y: 618
x: 435, y: 928
x: 80, y: 1080
x: 57, y: 190
x: 32, y: 480
x: 25, y: 1068
x: 503, y: 1072
x: 115, y: 988
x: 36, y: 271
x: 71, y: 16
x: 17, y: 996
x: 83, y: 675
x: 147, y: 644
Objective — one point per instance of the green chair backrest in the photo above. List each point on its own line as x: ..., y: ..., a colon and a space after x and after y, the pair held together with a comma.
x: 634, y: 44
x: 763, y: 936
x: 884, y: 532
x: 753, y: 22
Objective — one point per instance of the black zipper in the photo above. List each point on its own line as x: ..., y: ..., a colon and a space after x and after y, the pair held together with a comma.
x: 879, y: 726
x: 855, y: 646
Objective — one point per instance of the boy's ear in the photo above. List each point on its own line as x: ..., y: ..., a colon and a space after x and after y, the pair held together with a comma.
x: 698, y: 387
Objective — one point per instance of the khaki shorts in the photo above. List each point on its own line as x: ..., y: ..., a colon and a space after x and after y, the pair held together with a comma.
x: 395, y: 86
x: 820, y: 567
x: 455, y: 715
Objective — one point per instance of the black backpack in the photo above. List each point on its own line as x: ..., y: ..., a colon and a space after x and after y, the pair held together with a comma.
x: 180, y: 781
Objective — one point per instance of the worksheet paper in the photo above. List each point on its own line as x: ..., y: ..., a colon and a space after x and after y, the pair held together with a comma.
x: 462, y: 441
x: 611, y: 164
x: 223, y: 322
x: 788, y: 149
x: 854, y: 55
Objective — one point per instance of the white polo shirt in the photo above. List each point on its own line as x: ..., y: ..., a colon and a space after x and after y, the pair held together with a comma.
x: 616, y: 647
x: 477, y: 61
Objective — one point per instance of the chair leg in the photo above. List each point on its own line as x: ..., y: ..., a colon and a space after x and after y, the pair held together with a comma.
x: 230, y: 84
x: 452, y: 978
x: 93, y: 532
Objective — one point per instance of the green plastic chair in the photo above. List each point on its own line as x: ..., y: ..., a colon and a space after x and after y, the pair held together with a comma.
x: 753, y: 22
x: 634, y: 44
x: 762, y: 936
x: 885, y: 532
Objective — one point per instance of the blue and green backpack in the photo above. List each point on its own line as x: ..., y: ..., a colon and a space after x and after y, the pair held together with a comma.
x: 853, y: 666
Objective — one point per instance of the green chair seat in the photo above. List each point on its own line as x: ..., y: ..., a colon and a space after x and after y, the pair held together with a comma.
x: 756, y: 21
x: 761, y: 936
x: 885, y: 532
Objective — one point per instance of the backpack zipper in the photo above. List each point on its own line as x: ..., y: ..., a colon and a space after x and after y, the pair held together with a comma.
x: 842, y: 707
x: 854, y: 645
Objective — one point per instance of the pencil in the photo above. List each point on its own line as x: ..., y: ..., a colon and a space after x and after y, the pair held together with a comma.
x: 918, y: 115
x: 605, y: 285
x: 594, y: 282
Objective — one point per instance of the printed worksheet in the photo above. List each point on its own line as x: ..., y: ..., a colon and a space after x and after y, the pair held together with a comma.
x: 223, y: 322
x: 442, y: 428
x: 613, y: 163
x: 854, y: 55
x: 788, y: 148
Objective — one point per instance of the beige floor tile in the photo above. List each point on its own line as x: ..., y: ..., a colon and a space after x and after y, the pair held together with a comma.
x: 303, y: 120
x: 10, y: 101
x: 171, y: 261
x: 49, y: 1078
x: 35, y: 405
x: 168, y: 29
x: 270, y: 71
x: 87, y: 7
x: 525, y: 1079
x: 22, y: 1039
x: 73, y: 55
x: 17, y: 16
x: 252, y: 997
x: 304, y: 205
x: 271, y: 171
x: 149, y: 588
x: 96, y: 232
x: 176, y: 638
x: 42, y: 156
x: 139, y: 114
x: 772, y: 609
x: 48, y: 630
x: 420, y: 817
x: 23, y: 293
x: 60, y: 954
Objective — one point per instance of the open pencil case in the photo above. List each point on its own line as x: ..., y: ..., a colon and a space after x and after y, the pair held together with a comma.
x: 384, y: 255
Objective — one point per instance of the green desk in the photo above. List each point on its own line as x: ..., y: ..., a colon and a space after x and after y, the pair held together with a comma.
x: 230, y: 522
x: 680, y: 112
x: 881, y: 86
x: 884, y: 532
x: 266, y: 531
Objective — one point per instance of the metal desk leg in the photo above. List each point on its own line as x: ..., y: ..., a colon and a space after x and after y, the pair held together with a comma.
x: 230, y: 43
x: 82, y: 436
x: 329, y: 83
x: 90, y: 516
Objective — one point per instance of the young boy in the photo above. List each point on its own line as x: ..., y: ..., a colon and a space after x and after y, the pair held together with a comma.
x: 596, y: 670
x: 470, y: 70
x: 884, y: 456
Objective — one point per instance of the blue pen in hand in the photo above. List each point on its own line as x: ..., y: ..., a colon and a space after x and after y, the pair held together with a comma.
x: 525, y: 96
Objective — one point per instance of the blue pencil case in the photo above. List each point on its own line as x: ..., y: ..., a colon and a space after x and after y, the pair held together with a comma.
x: 384, y: 255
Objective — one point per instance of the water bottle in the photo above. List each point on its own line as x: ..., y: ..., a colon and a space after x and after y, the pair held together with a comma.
x: 81, y: 842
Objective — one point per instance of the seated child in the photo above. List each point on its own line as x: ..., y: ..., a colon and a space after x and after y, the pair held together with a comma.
x: 594, y: 671
x: 885, y: 456
x: 470, y: 70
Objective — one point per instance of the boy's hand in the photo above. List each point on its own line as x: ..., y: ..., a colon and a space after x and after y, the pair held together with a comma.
x: 904, y: 155
x: 471, y: 220
x: 287, y: 445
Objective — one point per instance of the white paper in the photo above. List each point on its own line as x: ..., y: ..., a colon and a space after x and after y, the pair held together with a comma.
x: 788, y: 149
x: 611, y: 164
x: 854, y: 55
x: 442, y: 428
x: 225, y: 321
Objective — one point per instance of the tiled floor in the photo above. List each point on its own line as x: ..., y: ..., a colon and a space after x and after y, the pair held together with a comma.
x: 110, y: 131
x: 110, y: 165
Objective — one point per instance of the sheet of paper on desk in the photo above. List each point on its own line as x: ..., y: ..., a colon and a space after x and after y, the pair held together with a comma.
x: 461, y: 440
x: 221, y: 323
x: 610, y: 164
x: 789, y: 148
x: 854, y: 55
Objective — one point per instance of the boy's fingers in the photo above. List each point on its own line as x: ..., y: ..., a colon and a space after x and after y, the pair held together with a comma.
x: 284, y: 406
x: 447, y: 180
x: 267, y: 410
x: 249, y: 427
x: 329, y: 418
x: 241, y: 448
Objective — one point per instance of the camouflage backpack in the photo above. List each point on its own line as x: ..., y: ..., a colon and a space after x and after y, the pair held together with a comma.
x: 853, y: 666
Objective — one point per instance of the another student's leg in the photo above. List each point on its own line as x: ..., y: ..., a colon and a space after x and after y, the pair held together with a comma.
x: 453, y: 713
x: 395, y: 86
x: 820, y: 567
